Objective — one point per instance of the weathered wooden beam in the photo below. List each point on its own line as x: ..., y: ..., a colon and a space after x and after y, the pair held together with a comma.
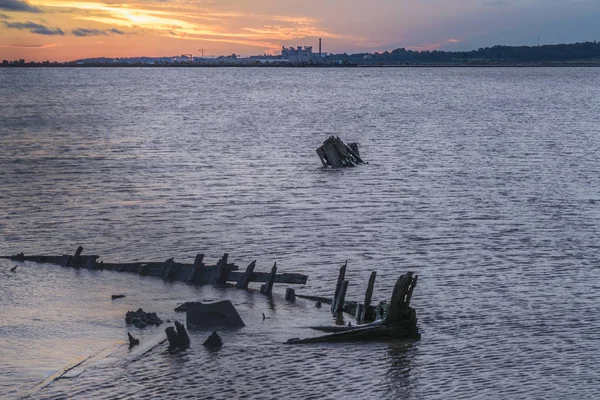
x: 74, y: 262
x: 359, y: 314
x: 321, y: 299
x: 65, y: 260
x: 267, y: 288
x: 243, y: 282
x: 365, y: 310
x: 223, y: 271
x: 338, y: 287
x: 196, y: 272
x: 286, y: 277
x: 290, y: 295
x: 410, y: 290
x: 200, y: 273
x: 398, y: 305
x: 168, y: 268
x: 360, y: 334
x: 338, y: 303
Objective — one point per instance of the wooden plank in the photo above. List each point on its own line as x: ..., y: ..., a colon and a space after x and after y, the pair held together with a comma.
x: 338, y: 286
x: 321, y: 299
x: 243, y: 282
x: 267, y: 288
x: 290, y: 295
x: 65, y: 260
x: 168, y: 268
x: 75, y: 260
x: 338, y: 303
x: 398, y: 305
x: 196, y: 268
x: 410, y: 290
x: 223, y: 271
x: 368, y: 297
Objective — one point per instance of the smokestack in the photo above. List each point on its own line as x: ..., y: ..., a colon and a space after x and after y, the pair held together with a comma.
x: 319, y: 47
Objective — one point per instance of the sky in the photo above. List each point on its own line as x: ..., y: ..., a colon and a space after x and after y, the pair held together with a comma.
x: 65, y: 30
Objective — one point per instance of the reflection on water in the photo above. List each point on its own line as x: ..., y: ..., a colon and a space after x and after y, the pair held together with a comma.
x: 484, y: 181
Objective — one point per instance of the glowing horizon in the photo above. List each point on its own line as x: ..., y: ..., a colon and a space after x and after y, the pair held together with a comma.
x: 64, y: 30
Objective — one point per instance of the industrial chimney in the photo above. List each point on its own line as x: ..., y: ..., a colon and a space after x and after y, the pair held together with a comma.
x: 319, y: 47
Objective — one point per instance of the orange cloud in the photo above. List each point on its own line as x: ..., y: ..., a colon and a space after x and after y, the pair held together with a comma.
x: 30, y: 46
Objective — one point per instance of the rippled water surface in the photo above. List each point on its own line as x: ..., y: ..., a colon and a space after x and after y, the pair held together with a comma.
x: 485, y: 182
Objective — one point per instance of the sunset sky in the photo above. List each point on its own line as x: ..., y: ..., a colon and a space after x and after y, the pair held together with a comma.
x: 63, y: 30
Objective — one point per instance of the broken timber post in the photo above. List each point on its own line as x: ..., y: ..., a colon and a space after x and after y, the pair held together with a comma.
x: 338, y: 286
x: 400, y: 322
x: 359, y: 315
x: 245, y: 279
x: 196, y: 273
x: 74, y: 262
x: 338, y: 302
x: 222, y: 270
x: 368, y: 296
x: 290, y: 295
x: 267, y: 288
x: 168, y: 269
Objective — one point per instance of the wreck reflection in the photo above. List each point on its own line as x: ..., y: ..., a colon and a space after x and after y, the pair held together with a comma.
x: 398, y: 376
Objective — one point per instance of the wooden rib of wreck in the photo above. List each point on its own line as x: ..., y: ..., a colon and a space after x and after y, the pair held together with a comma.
x: 337, y: 154
x: 400, y: 321
x: 197, y: 273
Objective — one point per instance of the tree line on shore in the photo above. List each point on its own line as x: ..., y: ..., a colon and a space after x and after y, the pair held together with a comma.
x: 582, y: 52
x: 586, y: 52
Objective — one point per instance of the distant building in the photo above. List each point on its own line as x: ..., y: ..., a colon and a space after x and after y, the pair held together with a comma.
x: 299, y: 54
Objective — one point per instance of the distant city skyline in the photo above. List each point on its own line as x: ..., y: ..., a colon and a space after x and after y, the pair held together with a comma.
x: 63, y: 30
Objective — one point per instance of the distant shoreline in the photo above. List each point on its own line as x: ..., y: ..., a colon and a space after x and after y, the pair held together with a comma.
x: 182, y: 65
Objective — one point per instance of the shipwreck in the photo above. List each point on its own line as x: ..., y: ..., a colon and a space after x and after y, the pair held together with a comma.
x: 335, y: 153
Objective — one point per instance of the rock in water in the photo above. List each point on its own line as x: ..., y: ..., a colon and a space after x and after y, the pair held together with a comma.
x: 214, y: 341
x: 117, y: 296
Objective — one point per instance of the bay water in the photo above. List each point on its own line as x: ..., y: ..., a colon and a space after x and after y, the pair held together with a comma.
x: 483, y: 181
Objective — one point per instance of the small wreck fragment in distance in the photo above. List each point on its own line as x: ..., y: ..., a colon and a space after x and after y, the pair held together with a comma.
x: 335, y: 153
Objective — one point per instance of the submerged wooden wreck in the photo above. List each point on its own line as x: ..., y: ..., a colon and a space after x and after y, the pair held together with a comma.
x: 398, y: 322
x: 335, y: 153
x: 384, y: 321
x: 198, y: 273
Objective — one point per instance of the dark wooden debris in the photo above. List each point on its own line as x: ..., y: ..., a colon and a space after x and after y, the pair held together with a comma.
x: 224, y: 270
x: 267, y: 288
x: 184, y: 307
x: 14, y: 269
x: 336, y: 306
x: 219, y: 314
x: 142, y: 319
x: 290, y: 295
x: 75, y: 261
x: 244, y: 280
x: 213, y: 341
x: 132, y: 341
x: 197, y: 273
x: 400, y: 321
x: 178, y: 337
x: 338, y: 302
x: 337, y: 154
x: 117, y: 296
